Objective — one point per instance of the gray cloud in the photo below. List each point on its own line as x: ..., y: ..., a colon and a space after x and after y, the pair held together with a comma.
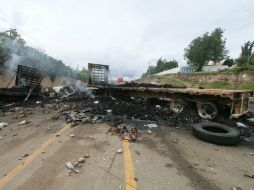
x: 127, y: 35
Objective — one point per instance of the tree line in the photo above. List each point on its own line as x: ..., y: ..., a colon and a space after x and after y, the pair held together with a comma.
x: 14, y: 51
x: 161, y: 65
x: 209, y: 47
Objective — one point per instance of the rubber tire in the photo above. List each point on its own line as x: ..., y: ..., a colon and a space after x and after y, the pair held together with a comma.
x: 232, y: 137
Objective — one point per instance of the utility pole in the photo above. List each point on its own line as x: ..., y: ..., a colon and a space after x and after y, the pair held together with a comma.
x: 9, y: 32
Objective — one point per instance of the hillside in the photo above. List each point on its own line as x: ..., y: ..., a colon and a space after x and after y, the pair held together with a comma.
x: 218, y: 80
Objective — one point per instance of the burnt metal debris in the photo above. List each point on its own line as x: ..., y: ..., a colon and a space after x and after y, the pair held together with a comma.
x: 27, y: 84
x: 98, y: 74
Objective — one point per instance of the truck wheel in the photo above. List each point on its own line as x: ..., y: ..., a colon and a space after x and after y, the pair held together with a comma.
x: 177, y: 105
x: 216, y: 133
x: 207, y: 110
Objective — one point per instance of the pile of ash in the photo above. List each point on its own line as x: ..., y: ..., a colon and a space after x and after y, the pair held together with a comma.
x: 149, y: 110
x: 101, y: 108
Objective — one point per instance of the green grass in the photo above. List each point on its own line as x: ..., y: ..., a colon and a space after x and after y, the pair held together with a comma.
x: 226, y: 85
x: 246, y: 86
x: 249, y: 68
x: 219, y: 85
x: 177, y: 82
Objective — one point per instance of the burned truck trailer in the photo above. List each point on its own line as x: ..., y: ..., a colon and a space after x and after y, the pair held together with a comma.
x: 208, y: 102
x: 27, y: 83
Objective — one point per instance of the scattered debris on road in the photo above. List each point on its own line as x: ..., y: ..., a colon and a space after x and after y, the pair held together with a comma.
x: 249, y: 173
x: 81, y: 160
x: 151, y: 125
x: 3, y: 124
x: 24, y: 122
x: 70, y: 165
x: 149, y: 132
x: 78, y: 164
x: 236, y: 188
x: 25, y: 155
x: 119, y: 151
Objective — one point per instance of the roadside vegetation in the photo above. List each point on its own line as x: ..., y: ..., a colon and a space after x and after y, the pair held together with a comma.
x: 14, y: 51
x: 207, y: 48
x: 161, y: 65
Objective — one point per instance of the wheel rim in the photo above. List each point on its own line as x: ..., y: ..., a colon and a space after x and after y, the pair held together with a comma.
x: 207, y: 110
x: 177, y: 106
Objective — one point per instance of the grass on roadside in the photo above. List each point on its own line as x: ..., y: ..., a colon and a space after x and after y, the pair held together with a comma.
x: 220, y: 85
x: 246, y: 86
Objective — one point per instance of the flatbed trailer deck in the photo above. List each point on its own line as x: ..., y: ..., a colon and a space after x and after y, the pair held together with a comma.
x: 209, y: 102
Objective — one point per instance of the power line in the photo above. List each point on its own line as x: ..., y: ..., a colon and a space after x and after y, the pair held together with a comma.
x: 31, y: 37
x: 242, y: 26
x: 223, y: 20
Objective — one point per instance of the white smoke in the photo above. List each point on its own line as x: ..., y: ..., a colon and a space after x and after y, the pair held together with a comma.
x: 10, y: 66
x: 84, y: 89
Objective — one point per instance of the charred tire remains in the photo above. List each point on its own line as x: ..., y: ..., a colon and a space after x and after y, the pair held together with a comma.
x: 177, y: 105
x: 207, y: 110
x: 216, y: 133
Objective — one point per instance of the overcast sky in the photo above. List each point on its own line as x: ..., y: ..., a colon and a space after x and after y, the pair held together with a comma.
x: 126, y: 34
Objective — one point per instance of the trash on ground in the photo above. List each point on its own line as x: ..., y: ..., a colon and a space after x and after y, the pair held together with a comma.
x: 24, y: 122
x: 158, y: 106
x: 119, y: 151
x: 251, y: 119
x: 152, y: 125
x: 81, y: 160
x: 149, y: 132
x: 236, y: 188
x: 249, y: 173
x: 55, y: 117
x: 25, y: 155
x: 239, y: 124
x: 129, y: 135
x: 70, y: 165
x: 3, y: 124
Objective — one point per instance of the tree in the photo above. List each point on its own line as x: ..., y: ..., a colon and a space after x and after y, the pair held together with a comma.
x: 161, y: 65
x: 13, y: 46
x: 83, y: 75
x: 208, y: 47
x: 229, y: 62
x: 10, y: 42
x: 247, y: 54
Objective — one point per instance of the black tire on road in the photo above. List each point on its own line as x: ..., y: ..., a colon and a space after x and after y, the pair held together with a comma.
x: 216, y: 133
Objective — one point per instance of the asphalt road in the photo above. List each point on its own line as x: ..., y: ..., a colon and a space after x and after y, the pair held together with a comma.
x: 34, y: 156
